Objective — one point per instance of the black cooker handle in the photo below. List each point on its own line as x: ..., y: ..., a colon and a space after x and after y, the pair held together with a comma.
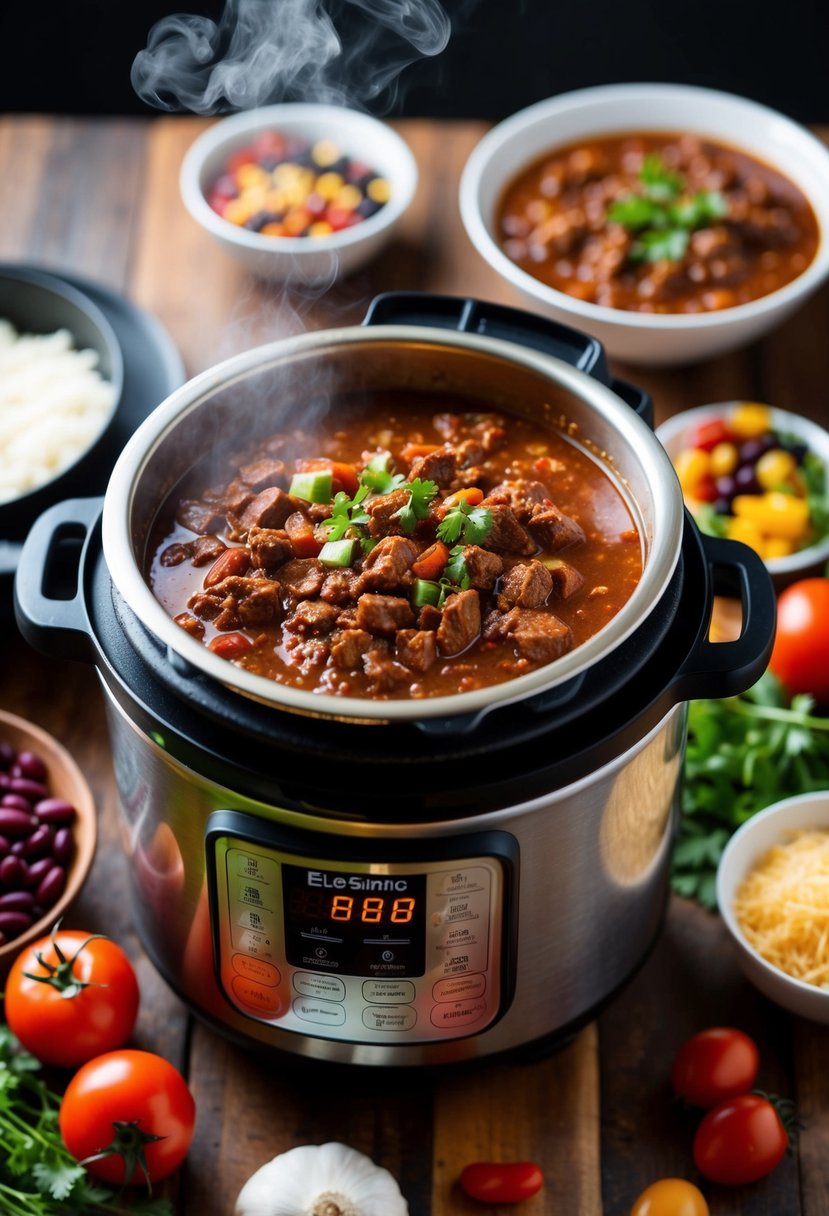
x: 48, y: 586
x: 724, y: 669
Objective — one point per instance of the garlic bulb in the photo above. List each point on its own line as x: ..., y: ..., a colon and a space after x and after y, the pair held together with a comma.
x: 321, y: 1180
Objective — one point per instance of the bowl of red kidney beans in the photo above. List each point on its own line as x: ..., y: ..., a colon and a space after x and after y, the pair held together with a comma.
x: 299, y: 192
x: 48, y: 833
x: 757, y: 474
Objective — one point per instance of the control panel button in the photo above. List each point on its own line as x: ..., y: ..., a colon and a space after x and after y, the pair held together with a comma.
x: 256, y: 996
x: 255, y: 919
x: 458, y: 1013
x: 388, y: 992
x: 256, y: 969
x: 459, y: 988
x: 259, y: 945
x: 325, y: 987
x: 385, y: 1017
x: 323, y: 1013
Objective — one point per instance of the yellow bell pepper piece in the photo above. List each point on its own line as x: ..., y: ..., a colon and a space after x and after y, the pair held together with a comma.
x: 747, y: 532
x: 774, y: 513
x: 749, y: 420
x: 691, y: 465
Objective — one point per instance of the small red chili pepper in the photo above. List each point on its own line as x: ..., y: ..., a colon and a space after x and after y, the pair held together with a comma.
x: 501, y: 1181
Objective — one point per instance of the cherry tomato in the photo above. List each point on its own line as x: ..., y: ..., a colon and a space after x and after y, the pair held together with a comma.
x: 501, y: 1181
x: 70, y: 997
x: 713, y: 1065
x: 800, y: 658
x: 708, y: 434
x: 230, y: 645
x: 740, y: 1140
x: 670, y: 1197
x: 147, y: 1096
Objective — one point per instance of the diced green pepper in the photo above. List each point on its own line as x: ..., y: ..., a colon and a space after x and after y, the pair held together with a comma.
x: 312, y: 487
x: 424, y: 591
x: 380, y: 462
x: 552, y: 563
x: 338, y: 552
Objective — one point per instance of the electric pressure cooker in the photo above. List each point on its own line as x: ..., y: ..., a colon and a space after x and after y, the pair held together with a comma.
x: 399, y: 883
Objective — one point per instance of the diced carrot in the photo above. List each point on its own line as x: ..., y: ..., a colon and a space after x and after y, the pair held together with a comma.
x: 471, y: 494
x: 301, y: 535
x: 431, y: 562
x: 413, y: 451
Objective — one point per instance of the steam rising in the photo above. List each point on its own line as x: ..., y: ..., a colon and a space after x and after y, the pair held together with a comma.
x: 266, y: 51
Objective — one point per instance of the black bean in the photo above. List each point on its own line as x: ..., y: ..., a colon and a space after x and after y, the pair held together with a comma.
x: 16, y: 823
x: 63, y: 846
x: 51, y: 887
x: 14, y: 923
x: 55, y: 810
x: 13, y: 872
x: 746, y: 480
x: 39, y: 843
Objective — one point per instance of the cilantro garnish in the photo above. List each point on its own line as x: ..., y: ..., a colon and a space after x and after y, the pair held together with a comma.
x: 421, y: 494
x: 381, y: 481
x: 661, y: 216
x: 346, y: 513
x: 743, y: 754
x: 472, y: 523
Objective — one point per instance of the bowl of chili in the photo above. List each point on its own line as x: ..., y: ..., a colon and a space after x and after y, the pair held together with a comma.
x: 299, y: 192
x: 673, y: 222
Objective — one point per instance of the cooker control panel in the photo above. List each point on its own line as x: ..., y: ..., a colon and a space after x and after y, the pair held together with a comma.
x: 365, y: 941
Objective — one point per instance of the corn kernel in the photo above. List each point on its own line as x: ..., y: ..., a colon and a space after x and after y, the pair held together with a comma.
x: 320, y: 228
x: 239, y: 210
x: 349, y: 198
x: 750, y: 419
x: 325, y: 152
x: 272, y: 229
x: 328, y: 185
x: 251, y: 175
x: 775, y: 468
x: 724, y: 459
x: 691, y: 465
x: 378, y: 190
x: 774, y: 513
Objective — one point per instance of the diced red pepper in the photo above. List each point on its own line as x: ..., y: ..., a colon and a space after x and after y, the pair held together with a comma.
x: 708, y: 434
x: 230, y: 645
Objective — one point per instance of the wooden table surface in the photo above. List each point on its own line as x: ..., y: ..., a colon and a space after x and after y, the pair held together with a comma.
x: 99, y: 198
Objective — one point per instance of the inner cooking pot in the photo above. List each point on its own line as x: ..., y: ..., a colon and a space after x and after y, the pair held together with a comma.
x: 502, y: 359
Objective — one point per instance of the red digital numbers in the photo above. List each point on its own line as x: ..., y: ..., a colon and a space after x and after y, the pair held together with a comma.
x: 373, y: 909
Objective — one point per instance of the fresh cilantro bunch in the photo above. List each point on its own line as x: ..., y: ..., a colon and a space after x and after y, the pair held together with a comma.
x: 743, y: 754
x: 38, y: 1174
x: 661, y: 216
x: 463, y: 520
x: 421, y: 494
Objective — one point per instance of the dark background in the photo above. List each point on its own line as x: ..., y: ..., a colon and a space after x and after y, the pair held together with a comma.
x: 75, y: 56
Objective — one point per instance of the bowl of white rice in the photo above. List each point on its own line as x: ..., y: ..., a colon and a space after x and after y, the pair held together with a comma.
x: 61, y: 379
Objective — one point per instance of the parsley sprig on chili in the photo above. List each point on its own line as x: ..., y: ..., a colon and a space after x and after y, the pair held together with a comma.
x: 662, y: 216
x: 473, y: 523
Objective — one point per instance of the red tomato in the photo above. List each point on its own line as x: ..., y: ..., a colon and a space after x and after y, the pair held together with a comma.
x: 670, y: 1197
x: 501, y: 1181
x: 713, y: 1065
x: 70, y: 997
x: 230, y: 645
x: 800, y: 658
x: 142, y: 1091
x: 708, y: 434
x: 740, y: 1140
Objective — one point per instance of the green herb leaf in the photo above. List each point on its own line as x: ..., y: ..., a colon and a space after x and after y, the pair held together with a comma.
x: 634, y: 212
x: 661, y: 183
x: 660, y: 245
x: 421, y: 494
x: 346, y: 513
x: 472, y: 523
x: 661, y: 217
x: 381, y: 481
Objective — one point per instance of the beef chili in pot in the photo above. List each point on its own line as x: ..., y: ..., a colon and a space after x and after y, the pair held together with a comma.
x: 402, y: 553
x: 657, y: 223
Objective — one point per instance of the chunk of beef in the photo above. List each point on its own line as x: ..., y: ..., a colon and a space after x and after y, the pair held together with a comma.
x: 470, y: 452
x: 383, y: 614
x: 383, y: 673
x: 312, y: 616
x: 383, y: 512
x: 269, y: 547
x: 566, y: 579
x: 264, y: 472
x: 521, y: 495
x: 269, y: 509
x: 537, y: 635
x: 205, y: 550
x: 190, y: 624
x: 553, y: 530
x: 526, y: 584
x: 429, y: 617
x: 482, y: 567
x: 439, y: 466
x: 506, y: 532
x: 303, y: 577
x: 349, y: 646
x: 237, y: 602
x: 460, y: 622
x: 339, y: 585
x: 175, y: 554
x: 317, y: 512
x: 199, y: 517
x: 386, y: 566
x: 416, y: 648
x: 450, y: 426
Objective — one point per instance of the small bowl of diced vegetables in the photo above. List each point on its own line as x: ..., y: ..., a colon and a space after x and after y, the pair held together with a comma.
x: 757, y: 474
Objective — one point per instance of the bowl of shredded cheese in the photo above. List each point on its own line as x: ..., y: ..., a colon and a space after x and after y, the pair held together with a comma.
x: 61, y: 379
x: 773, y: 895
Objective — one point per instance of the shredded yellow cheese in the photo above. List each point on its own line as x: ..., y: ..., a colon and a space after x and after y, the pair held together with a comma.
x: 782, y: 907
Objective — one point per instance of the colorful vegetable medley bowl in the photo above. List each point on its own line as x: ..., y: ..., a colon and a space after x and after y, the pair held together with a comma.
x: 756, y: 474
x: 301, y: 192
x: 671, y: 222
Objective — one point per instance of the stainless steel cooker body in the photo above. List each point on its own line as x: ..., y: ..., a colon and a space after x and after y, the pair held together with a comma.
x: 510, y: 925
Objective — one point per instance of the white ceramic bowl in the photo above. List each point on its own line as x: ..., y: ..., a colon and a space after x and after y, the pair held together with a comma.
x: 806, y: 563
x: 647, y: 338
x: 305, y: 260
x: 744, y: 850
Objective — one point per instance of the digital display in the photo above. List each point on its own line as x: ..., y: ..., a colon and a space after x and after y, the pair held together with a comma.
x: 359, y: 924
